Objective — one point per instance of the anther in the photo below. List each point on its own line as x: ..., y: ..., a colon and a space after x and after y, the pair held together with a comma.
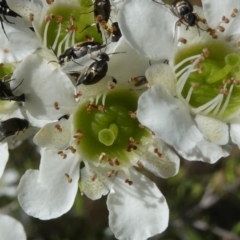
x: 116, y: 162
x: 78, y: 94
x: 68, y: 178
x: 225, y: 19
x: 182, y: 40
x: 221, y: 28
x: 58, y: 127
x: 128, y: 182
x: 141, y: 126
x: 140, y: 165
x: 59, y: 19
x: 72, y: 149
x: 31, y: 17
x: 157, y: 152
x: 110, y: 162
x: 94, y: 177
x: 101, y: 157
x: 56, y: 105
x: 132, y: 115
x: 50, y: 2
x: 110, y: 174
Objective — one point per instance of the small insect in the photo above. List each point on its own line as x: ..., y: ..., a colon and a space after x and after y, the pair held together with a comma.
x: 116, y: 33
x: 5, y: 11
x: 12, y: 126
x: 96, y: 71
x: 183, y: 9
x: 7, y: 94
x: 102, y: 10
x: 79, y: 50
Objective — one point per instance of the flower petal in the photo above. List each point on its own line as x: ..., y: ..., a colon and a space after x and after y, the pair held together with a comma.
x: 49, y: 93
x: 148, y: 27
x: 163, y: 163
x: 95, y: 182
x: 4, y: 157
x: 136, y: 212
x: 49, y: 192
x: 11, y: 229
x: 214, y: 12
x: 169, y: 118
x: 234, y: 133
x: 54, y: 135
x: 214, y: 130
x: 162, y: 74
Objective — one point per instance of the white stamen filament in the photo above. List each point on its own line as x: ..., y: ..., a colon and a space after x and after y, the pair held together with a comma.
x: 45, y: 33
x: 218, y: 106
x: 184, y: 61
x: 189, y: 94
x: 66, y: 45
x: 226, y: 101
x: 57, y: 37
x: 182, y: 71
x: 61, y: 43
x: 73, y: 38
x: 207, y: 105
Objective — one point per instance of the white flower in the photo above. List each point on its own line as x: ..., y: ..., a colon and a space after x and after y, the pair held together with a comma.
x: 108, y: 140
x: 194, y: 99
x: 11, y: 229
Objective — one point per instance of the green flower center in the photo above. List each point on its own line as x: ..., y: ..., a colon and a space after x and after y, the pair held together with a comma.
x: 64, y: 25
x: 209, y: 79
x: 110, y: 132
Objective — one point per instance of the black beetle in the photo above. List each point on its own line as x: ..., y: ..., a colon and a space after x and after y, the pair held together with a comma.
x: 12, y: 126
x: 7, y: 94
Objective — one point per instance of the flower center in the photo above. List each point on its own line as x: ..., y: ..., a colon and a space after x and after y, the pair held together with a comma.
x: 64, y: 25
x: 208, y: 79
x: 111, y: 133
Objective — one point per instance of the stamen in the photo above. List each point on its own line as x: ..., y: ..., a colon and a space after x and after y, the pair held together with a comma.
x: 45, y: 31
x: 226, y: 101
x: 184, y: 61
x: 61, y: 43
x: 189, y: 94
x: 57, y: 37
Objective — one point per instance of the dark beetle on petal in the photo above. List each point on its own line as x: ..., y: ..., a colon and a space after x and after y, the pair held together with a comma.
x: 183, y: 9
x: 7, y: 94
x: 80, y: 50
x: 96, y: 71
x: 12, y: 126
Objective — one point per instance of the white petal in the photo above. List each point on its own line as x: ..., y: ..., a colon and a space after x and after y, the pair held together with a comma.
x: 162, y: 74
x: 119, y: 64
x: 44, y: 86
x: 11, y: 229
x: 20, y: 43
x: 213, y: 130
x: 95, y: 182
x: 170, y: 119
x: 148, y: 27
x: 47, y: 193
x: 4, y: 157
x: 166, y: 165
x: 136, y: 212
x: 214, y: 12
x: 234, y: 133
x: 54, y: 135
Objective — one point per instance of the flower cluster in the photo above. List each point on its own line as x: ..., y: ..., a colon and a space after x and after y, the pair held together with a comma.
x: 78, y: 76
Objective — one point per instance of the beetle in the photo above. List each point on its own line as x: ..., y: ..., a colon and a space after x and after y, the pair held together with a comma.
x: 79, y: 50
x: 102, y: 10
x: 7, y: 94
x: 5, y: 11
x: 12, y: 126
x: 96, y: 71
x: 183, y: 9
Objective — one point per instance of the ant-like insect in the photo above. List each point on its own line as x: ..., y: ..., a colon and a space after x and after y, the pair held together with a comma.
x: 116, y: 32
x: 96, y: 71
x: 183, y: 9
x: 7, y: 94
x: 5, y: 11
x: 79, y: 50
x: 12, y: 126
x: 102, y: 10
